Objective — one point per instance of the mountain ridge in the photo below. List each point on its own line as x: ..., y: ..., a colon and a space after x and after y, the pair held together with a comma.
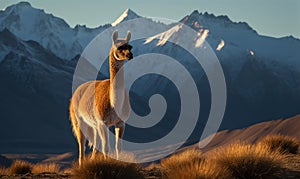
x: 68, y: 42
x: 50, y: 31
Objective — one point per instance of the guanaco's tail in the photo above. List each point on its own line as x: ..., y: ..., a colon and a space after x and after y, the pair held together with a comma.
x: 74, y: 121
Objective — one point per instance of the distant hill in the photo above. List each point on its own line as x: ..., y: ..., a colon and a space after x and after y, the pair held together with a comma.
x: 289, y: 127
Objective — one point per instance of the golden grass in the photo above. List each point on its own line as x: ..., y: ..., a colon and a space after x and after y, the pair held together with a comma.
x: 4, y: 171
x: 153, y: 171
x: 247, y: 161
x: 178, y: 160
x: 195, y: 169
x: 280, y: 143
x: 188, y: 164
x: 291, y: 167
x: 46, y: 167
x: 24, y: 167
x: 185, y: 156
x: 237, y: 160
x: 20, y: 167
x: 106, y: 168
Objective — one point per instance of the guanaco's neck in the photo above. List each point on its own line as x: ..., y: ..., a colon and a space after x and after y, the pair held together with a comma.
x: 117, y: 86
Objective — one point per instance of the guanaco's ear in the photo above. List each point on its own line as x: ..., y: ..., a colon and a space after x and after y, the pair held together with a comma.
x: 128, y: 36
x: 115, y: 36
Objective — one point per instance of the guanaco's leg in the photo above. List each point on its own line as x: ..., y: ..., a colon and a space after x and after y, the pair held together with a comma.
x: 119, y: 131
x: 96, y: 142
x: 103, y: 132
x: 81, y: 145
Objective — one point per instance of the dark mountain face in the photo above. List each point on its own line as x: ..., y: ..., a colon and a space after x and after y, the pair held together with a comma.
x: 258, y: 94
x: 35, y: 92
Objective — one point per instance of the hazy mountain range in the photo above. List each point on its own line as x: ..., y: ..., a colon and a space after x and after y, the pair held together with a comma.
x: 38, y: 55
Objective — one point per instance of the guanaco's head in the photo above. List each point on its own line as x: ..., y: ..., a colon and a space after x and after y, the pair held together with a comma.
x: 121, y: 48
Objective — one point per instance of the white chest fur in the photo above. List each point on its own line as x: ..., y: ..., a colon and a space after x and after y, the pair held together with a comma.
x: 119, y: 99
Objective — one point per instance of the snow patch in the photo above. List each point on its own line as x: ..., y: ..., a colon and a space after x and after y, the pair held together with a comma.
x: 221, y: 45
x: 121, y: 18
x: 127, y: 15
x: 201, y: 39
x: 165, y: 36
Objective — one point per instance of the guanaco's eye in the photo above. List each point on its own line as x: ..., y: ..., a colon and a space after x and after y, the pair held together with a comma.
x: 121, y: 47
x: 125, y: 47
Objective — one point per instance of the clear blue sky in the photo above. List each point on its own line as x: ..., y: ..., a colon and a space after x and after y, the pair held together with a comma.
x: 268, y: 17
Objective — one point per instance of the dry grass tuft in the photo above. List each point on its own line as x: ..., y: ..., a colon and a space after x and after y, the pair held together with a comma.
x: 247, y: 161
x: 280, y: 143
x: 20, y: 167
x: 233, y: 161
x: 46, y: 167
x: 188, y: 164
x: 176, y: 160
x: 106, y: 168
x: 4, y: 171
x: 153, y: 171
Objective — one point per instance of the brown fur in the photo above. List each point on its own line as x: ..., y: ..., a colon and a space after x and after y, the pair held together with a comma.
x: 91, y: 106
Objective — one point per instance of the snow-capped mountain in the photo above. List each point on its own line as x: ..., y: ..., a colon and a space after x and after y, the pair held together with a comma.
x: 240, y: 40
x: 261, y: 72
x: 51, y: 32
x: 38, y: 55
x: 128, y: 14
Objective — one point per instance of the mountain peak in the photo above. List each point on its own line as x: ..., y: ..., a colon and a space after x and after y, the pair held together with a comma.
x: 19, y: 6
x: 196, y: 16
x: 210, y: 21
x: 23, y: 4
x: 195, y: 12
x: 128, y: 14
